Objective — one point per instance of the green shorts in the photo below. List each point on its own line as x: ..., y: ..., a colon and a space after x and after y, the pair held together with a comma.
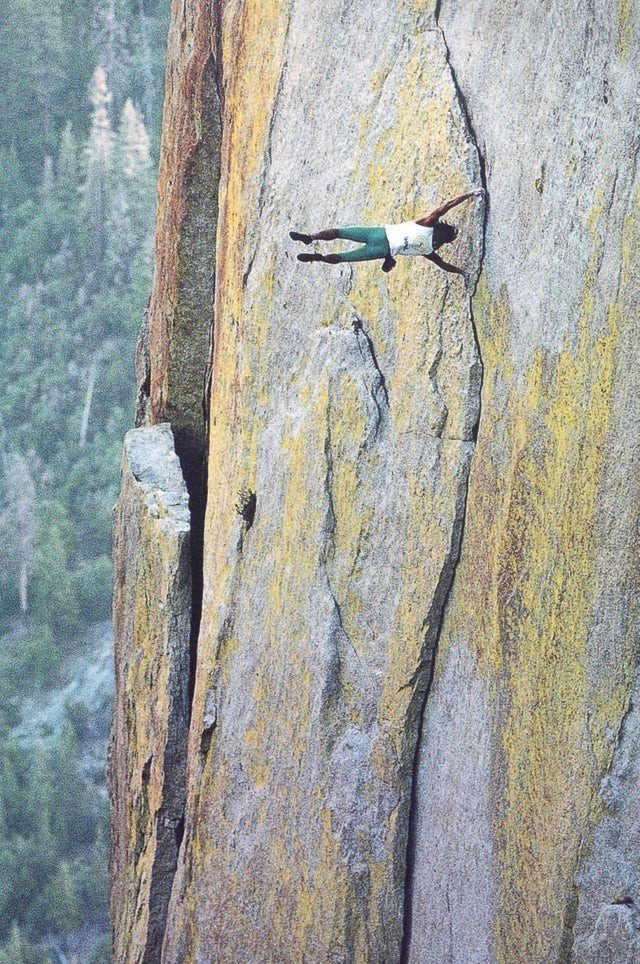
x: 374, y: 241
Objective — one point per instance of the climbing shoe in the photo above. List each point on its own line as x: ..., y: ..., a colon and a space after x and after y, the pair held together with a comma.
x: 296, y: 236
x: 310, y: 257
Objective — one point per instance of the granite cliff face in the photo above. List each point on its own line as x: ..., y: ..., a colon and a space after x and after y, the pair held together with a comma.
x: 152, y: 623
x: 406, y: 621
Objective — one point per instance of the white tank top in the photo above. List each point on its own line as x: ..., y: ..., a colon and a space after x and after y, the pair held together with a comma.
x: 409, y: 238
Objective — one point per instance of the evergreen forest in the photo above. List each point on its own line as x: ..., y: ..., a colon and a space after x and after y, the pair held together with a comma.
x: 80, y: 105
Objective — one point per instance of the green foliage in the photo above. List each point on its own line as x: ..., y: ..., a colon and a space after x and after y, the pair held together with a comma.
x: 102, y: 953
x: 58, y: 906
x: 92, y: 582
x: 38, y: 656
x: 48, y: 51
x: 17, y: 950
x: 53, y: 858
x: 54, y: 601
x: 31, y: 65
x: 78, y: 715
x: 74, y: 280
x: 77, y: 160
x: 10, y: 709
x: 9, y: 599
x: 92, y: 878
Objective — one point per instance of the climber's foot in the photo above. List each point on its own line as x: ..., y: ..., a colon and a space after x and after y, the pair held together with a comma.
x: 310, y: 257
x: 296, y: 236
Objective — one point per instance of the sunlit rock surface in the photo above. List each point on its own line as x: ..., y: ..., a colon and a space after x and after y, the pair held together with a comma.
x: 348, y: 798
x: 543, y: 613
x: 152, y: 619
x: 346, y: 402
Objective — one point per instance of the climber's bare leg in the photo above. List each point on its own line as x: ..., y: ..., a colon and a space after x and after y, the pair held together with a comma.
x: 332, y: 234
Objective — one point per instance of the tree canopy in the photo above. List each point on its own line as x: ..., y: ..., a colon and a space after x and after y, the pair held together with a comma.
x: 80, y: 107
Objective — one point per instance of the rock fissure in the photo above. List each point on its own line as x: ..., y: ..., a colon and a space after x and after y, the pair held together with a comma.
x: 441, y: 596
x: 434, y: 624
x: 329, y: 546
x: 152, y: 618
x: 173, y: 368
x: 468, y: 120
x: 200, y: 284
x: 565, y: 950
x: 466, y: 113
x: 359, y: 330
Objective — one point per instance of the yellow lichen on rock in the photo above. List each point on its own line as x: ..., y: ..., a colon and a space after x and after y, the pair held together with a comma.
x: 342, y: 419
x: 560, y: 723
x: 152, y: 616
x: 527, y: 595
x: 347, y: 404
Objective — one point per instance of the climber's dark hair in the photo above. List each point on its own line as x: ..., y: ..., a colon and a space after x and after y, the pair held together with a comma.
x: 443, y: 233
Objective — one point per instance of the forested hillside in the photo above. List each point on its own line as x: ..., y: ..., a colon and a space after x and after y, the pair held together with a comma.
x: 80, y: 103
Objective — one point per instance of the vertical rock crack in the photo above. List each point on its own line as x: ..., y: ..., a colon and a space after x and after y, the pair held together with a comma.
x: 437, y: 613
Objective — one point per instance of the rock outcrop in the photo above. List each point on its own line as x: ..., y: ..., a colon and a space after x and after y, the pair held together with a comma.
x: 152, y: 622
x: 413, y: 589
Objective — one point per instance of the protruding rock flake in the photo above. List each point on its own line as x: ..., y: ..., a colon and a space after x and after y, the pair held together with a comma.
x: 152, y: 616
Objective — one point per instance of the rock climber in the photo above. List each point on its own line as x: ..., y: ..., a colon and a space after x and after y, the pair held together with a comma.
x: 422, y: 237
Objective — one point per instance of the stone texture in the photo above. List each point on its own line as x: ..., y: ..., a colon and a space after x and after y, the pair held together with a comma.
x: 173, y: 353
x: 347, y: 402
x: 607, y: 927
x: 450, y: 914
x: 343, y: 415
x: 152, y: 621
x: 542, y: 606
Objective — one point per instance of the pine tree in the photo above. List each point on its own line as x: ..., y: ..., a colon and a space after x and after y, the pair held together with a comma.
x: 62, y: 906
x: 132, y: 203
x: 134, y: 145
x: 31, y: 51
x: 111, y: 41
x: 14, y: 950
x: 47, y: 184
x: 20, y: 519
x: 146, y: 64
x: 13, y: 188
x: 54, y: 600
x: 98, y: 158
x: 68, y: 168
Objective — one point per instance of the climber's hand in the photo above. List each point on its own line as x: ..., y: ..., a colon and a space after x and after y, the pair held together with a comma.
x: 479, y: 192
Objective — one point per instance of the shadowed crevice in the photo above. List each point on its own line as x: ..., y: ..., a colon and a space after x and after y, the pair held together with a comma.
x: 185, y: 407
x: 437, y: 613
x: 192, y: 330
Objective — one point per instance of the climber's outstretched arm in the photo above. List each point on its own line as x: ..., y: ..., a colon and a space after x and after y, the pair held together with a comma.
x: 436, y: 214
x: 451, y: 268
